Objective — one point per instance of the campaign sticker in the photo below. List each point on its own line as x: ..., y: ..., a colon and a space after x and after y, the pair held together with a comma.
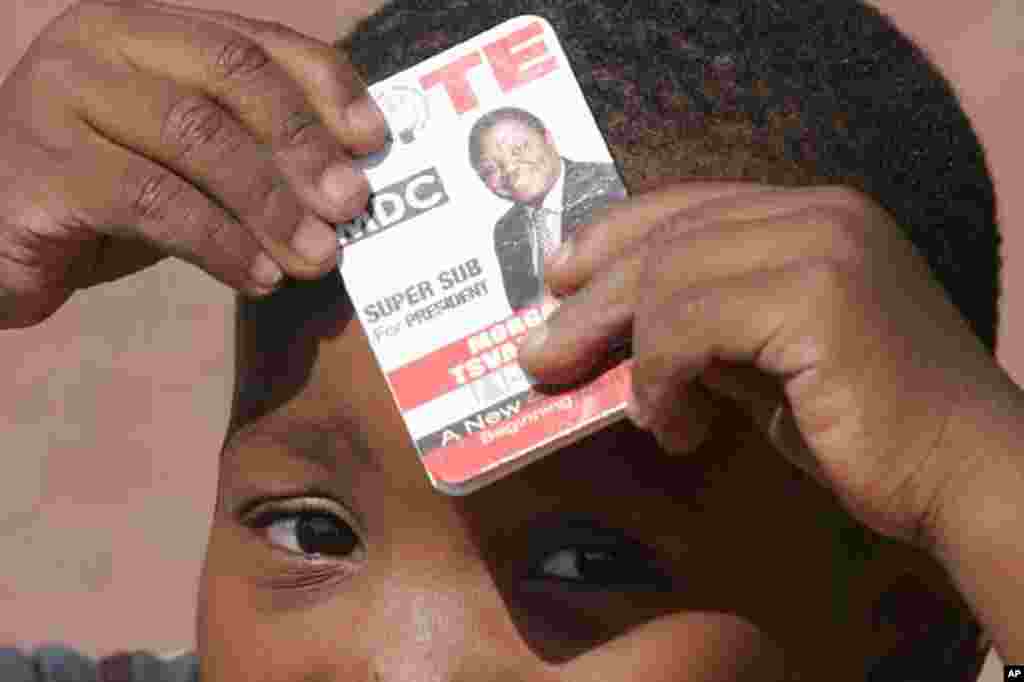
x: 495, y: 160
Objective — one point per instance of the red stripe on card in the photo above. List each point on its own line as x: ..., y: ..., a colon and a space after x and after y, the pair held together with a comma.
x: 445, y: 370
x: 470, y: 455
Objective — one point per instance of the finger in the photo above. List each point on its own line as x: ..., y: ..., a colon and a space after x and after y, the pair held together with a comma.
x: 196, y: 138
x: 586, y: 326
x: 127, y: 196
x: 764, y: 400
x: 768, y: 319
x: 622, y: 224
x: 692, y: 249
x: 749, y: 235
x: 683, y: 421
x: 683, y: 214
x: 240, y: 74
x: 759, y: 394
x: 329, y: 80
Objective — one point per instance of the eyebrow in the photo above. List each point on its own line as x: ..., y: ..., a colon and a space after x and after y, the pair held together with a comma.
x: 320, y: 442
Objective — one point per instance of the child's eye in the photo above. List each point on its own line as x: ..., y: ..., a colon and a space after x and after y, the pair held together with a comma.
x: 312, y: 531
x: 580, y: 564
x: 601, y: 560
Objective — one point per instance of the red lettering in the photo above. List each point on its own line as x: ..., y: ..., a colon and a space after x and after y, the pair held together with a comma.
x: 455, y: 82
x: 507, y: 62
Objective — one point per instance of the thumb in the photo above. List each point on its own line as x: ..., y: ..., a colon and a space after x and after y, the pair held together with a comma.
x: 762, y: 397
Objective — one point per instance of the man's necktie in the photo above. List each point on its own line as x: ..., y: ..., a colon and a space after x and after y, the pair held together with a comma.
x: 547, y: 226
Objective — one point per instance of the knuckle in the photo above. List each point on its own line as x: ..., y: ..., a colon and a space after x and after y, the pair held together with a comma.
x: 180, y: 220
x: 301, y: 128
x: 260, y: 195
x: 328, y: 69
x: 213, y: 235
x: 322, y: 72
x: 239, y: 58
x: 661, y: 262
x: 661, y: 313
x: 24, y: 246
x: 847, y: 236
x: 829, y: 274
x: 157, y: 197
x: 667, y: 229
x: 695, y: 303
x: 192, y: 123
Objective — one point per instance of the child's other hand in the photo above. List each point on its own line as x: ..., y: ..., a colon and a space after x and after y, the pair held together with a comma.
x: 135, y: 130
x: 807, y: 306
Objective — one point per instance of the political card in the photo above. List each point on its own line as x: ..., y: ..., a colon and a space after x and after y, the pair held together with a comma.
x: 495, y: 159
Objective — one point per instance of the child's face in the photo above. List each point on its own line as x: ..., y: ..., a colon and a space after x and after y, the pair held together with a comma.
x: 528, y: 579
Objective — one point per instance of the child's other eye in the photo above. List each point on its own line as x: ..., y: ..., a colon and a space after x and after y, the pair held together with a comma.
x: 579, y: 565
x: 590, y: 557
x: 311, y: 531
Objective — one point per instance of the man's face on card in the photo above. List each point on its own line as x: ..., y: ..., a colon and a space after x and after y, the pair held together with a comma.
x: 518, y: 162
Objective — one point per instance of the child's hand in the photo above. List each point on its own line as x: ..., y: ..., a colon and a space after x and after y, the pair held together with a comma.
x: 135, y: 130
x: 806, y: 305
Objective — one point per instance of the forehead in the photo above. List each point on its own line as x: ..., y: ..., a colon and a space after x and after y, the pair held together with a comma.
x: 319, y: 400
x: 510, y: 130
x: 331, y: 412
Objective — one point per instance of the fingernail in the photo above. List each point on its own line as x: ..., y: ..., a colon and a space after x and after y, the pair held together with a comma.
x: 637, y: 414
x: 535, y: 339
x: 681, y: 433
x: 673, y: 440
x: 530, y: 379
x: 339, y: 183
x: 365, y: 116
x: 265, y: 272
x: 314, y: 240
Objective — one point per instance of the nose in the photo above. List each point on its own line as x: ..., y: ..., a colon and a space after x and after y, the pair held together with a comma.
x: 508, y: 173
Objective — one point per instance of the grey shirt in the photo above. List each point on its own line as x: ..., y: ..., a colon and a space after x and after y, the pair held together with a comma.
x: 60, y: 664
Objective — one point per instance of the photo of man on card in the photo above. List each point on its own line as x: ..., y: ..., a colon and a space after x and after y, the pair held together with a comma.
x: 516, y: 157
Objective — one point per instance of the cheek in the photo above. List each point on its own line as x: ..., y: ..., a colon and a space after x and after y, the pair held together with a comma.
x: 494, y: 184
x: 237, y: 614
x: 277, y: 645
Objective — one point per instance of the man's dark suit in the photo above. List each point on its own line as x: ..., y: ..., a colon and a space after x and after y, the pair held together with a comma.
x: 586, y: 188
